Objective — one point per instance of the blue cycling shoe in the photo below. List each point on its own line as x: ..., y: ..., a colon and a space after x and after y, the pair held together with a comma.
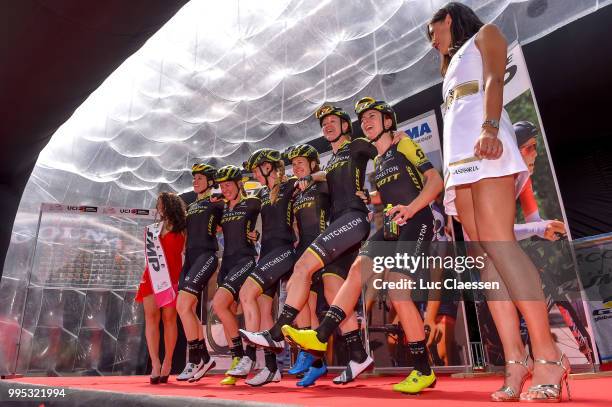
x: 313, y: 374
x: 302, y: 364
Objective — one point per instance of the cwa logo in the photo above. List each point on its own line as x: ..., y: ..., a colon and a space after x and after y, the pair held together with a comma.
x: 418, y: 131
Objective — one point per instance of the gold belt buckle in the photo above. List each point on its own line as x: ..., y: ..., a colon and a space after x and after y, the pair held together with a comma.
x: 450, y: 98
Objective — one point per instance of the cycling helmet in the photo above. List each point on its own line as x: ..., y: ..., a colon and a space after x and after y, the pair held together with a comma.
x: 302, y: 150
x: 368, y: 103
x: 228, y: 173
x: 326, y: 110
x: 261, y: 156
x: 524, y: 131
x: 207, y: 170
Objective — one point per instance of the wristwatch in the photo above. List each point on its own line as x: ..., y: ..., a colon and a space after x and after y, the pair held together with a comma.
x: 492, y: 123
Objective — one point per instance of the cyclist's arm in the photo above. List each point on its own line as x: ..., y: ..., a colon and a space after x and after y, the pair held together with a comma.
x: 433, y: 186
x: 319, y: 176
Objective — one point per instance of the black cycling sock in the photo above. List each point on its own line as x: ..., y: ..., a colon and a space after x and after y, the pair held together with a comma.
x: 286, y: 317
x: 251, y: 352
x: 203, y: 350
x: 418, y: 351
x: 270, y: 360
x: 236, y: 349
x: 356, y: 350
x: 333, y: 318
x: 194, y: 351
x: 318, y: 363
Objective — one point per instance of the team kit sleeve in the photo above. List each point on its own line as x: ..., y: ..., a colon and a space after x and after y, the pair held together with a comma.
x: 415, y: 154
x: 253, y: 209
x: 217, y: 212
x: 362, y: 148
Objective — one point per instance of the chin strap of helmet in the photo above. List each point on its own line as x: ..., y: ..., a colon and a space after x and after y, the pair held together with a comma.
x: 347, y: 133
x: 266, y: 175
x: 235, y: 197
x: 383, y: 131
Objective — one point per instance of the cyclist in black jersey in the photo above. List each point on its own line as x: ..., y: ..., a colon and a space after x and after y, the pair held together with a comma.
x: 311, y: 208
x: 276, y: 258
x: 335, y: 248
x: 200, y: 263
x: 237, y: 221
x: 406, y: 180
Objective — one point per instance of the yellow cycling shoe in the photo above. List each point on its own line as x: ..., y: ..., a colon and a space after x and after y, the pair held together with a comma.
x: 415, y: 382
x: 304, y: 338
x: 229, y: 380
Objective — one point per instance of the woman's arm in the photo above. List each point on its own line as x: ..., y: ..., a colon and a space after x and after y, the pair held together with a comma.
x: 374, y: 197
x: 433, y: 187
x: 493, y: 49
x: 303, y: 183
x: 431, y: 190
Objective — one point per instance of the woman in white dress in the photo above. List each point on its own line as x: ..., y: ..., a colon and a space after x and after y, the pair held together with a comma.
x: 483, y: 171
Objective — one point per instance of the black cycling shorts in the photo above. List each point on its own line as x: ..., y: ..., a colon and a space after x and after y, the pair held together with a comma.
x: 342, y: 265
x: 272, y: 266
x: 234, y: 271
x: 316, y: 285
x: 198, y: 268
x: 344, y: 235
x: 414, y: 239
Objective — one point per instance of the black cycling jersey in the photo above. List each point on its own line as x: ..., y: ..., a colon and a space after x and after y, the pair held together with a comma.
x: 277, y: 218
x: 399, y: 172
x: 236, y: 223
x: 311, y: 210
x: 203, y: 217
x: 346, y: 172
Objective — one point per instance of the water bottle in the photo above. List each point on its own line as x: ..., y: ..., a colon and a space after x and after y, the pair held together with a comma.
x: 390, y: 228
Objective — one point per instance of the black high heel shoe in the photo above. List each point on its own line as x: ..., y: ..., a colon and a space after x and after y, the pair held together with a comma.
x: 164, y: 379
x: 154, y: 379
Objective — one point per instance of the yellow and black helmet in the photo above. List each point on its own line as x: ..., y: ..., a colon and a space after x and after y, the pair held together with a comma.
x: 204, y: 169
x: 302, y: 150
x: 368, y: 103
x: 228, y: 173
x: 261, y: 156
x: 326, y: 110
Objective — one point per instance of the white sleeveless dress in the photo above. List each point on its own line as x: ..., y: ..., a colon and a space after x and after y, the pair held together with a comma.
x: 462, y: 126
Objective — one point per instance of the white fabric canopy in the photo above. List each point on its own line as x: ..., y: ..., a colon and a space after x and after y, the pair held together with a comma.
x: 223, y: 78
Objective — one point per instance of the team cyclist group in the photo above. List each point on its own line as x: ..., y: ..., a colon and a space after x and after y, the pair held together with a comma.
x: 315, y: 227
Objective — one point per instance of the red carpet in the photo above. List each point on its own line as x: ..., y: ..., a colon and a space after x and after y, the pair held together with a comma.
x: 369, y: 392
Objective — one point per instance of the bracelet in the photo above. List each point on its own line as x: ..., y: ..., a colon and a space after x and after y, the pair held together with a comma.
x: 491, y: 122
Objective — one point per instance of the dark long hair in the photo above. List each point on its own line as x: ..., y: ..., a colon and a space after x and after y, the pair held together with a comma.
x: 174, y: 211
x: 464, y: 25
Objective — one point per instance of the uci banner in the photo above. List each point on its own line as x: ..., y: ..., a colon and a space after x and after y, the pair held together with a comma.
x: 540, y: 221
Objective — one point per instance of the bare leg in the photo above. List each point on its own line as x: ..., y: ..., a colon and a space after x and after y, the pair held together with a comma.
x: 185, y: 306
x: 507, y: 325
x: 312, y: 307
x: 332, y: 286
x: 494, y: 207
x: 249, y: 293
x: 349, y: 293
x: 222, y: 304
x: 200, y: 329
x: 170, y: 335
x: 265, y: 307
x: 303, y: 318
x: 298, y: 285
x: 152, y: 317
x: 411, y: 320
